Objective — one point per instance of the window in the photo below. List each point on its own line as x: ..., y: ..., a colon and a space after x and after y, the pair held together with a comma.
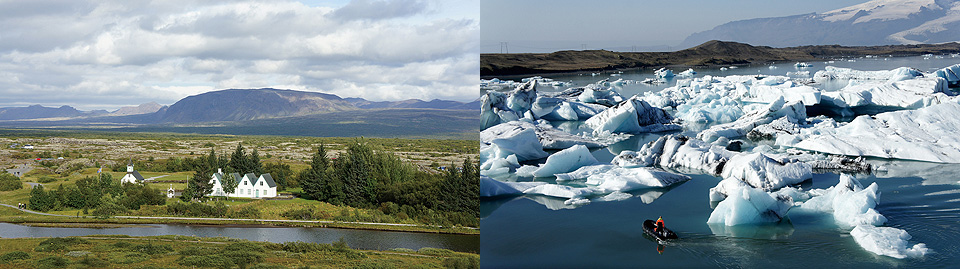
x: 244, y: 183
x: 261, y: 183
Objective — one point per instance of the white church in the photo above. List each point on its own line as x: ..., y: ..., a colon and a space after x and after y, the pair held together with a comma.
x: 249, y: 186
x: 131, y: 176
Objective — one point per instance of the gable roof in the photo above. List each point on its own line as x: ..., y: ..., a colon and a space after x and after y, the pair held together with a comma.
x: 136, y: 175
x: 252, y: 177
x: 269, y: 180
x: 218, y: 177
x: 237, y: 177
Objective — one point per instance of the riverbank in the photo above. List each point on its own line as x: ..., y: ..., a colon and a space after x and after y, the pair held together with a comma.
x: 10, y: 214
x: 189, y: 252
x: 711, y: 53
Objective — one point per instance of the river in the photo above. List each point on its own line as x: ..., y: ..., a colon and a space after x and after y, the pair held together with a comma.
x: 355, y: 238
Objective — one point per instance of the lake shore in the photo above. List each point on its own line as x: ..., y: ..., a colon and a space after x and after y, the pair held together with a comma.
x: 712, y: 53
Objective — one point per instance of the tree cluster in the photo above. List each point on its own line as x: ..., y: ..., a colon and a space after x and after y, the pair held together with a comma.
x: 362, y: 177
x: 10, y: 182
x: 101, y: 193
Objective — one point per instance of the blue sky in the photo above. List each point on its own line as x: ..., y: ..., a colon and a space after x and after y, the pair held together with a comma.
x: 551, y: 25
x: 105, y: 54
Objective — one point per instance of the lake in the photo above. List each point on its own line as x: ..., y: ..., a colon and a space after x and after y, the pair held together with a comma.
x: 542, y: 232
x: 359, y: 239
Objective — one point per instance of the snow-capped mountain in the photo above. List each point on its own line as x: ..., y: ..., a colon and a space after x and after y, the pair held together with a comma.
x: 877, y: 22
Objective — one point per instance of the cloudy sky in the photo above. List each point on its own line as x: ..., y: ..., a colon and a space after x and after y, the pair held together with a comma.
x: 107, y: 54
x: 552, y: 25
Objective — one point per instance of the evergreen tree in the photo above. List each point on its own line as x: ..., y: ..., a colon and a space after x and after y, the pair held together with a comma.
x: 317, y: 182
x: 41, y: 200
x: 353, y: 169
x: 238, y: 161
x: 280, y: 172
x: 256, y: 167
x: 199, y: 185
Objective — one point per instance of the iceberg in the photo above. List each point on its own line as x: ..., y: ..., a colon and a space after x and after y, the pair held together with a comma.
x: 951, y: 74
x: 493, y: 110
x: 926, y: 134
x: 611, y: 178
x: 902, y: 73
x: 746, y: 205
x: 565, y: 161
x: 911, y: 94
x: 850, y: 203
x: 765, y: 173
x: 663, y: 73
x: 597, y: 95
x: 887, y: 241
x: 491, y: 187
x: 794, y: 112
x: 688, y: 73
x: 517, y: 138
x: 802, y: 65
x: 522, y: 98
x: 499, y: 166
x: 632, y: 116
x: 675, y: 151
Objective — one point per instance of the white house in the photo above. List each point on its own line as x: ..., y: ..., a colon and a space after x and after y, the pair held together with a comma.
x: 131, y: 176
x: 249, y: 186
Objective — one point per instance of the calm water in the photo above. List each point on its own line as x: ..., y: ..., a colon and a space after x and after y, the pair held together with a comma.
x: 362, y: 239
x: 541, y: 232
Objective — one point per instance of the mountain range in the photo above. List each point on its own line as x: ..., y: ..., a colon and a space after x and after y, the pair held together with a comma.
x: 224, y: 106
x: 877, y: 22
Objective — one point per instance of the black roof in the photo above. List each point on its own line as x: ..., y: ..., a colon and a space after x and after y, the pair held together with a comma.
x: 269, y: 180
x: 136, y: 174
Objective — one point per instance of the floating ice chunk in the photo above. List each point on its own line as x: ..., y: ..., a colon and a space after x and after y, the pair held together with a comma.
x: 552, y: 138
x: 565, y: 161
x: 675, y: 151
x: 561, y: 191
x: 513, y: 138
x: 688, y: 73
x: 761, y: 172
x: 663, y: 73
x: 926, y: 134
x: 597, y: 95
x: 748, y: 205
x: 493, y: 110
x: 902, y: 73
x: 724, y: 69
x: 850, y: 203
x: 772, y: 67
x: 491, y: 187
x: 632, y: 116
x: 499, y: 166
x: 522, y: 98
x: 887, y: 241
x: 720, y: 110
x: 769, y: 93
x: 950, y: 73
x: 571, y: 111
x: 802, y: 65
x: 913, y: 93
x: 794, y: 111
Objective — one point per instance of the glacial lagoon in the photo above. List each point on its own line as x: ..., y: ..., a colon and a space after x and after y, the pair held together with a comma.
x: 532, y: 230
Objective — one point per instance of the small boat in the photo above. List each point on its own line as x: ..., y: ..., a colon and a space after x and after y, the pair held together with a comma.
x: 649, y: 227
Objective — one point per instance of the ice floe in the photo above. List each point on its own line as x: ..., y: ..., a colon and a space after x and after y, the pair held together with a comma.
x: 887, y: 241
x: 491, y: 187
x: 925, y: 134
x: 746, y: 205
x: 794, y: 112
x: 632, y: 116
x: 564, y: 161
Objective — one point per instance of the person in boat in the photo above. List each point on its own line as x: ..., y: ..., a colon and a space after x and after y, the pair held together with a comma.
x: 660, y: 226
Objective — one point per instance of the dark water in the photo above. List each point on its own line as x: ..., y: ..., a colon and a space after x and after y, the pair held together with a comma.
x: 520, y: 232
x: 541, y: 232
x: 362, y: 239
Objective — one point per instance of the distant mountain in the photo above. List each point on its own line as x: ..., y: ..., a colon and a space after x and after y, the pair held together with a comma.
x: 251, y: 104
x: 38, y: 112
x: 877, y: 22
x: 414, y: 103
x: 151, y: 107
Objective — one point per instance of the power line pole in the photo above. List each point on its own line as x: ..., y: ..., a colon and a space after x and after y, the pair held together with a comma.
x: 504, y: 47
x: 583, y: 46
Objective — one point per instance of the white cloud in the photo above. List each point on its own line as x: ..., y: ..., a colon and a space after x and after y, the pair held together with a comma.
x: 103, y: 55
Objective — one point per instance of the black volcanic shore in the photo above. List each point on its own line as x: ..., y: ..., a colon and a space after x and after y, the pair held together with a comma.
x: 711, y: 53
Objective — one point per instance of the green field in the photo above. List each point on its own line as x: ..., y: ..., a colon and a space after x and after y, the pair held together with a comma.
x: 193, y: 252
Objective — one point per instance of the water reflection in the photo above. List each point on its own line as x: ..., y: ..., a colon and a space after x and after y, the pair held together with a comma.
x: 781, y: 230
x: 362, y: 239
